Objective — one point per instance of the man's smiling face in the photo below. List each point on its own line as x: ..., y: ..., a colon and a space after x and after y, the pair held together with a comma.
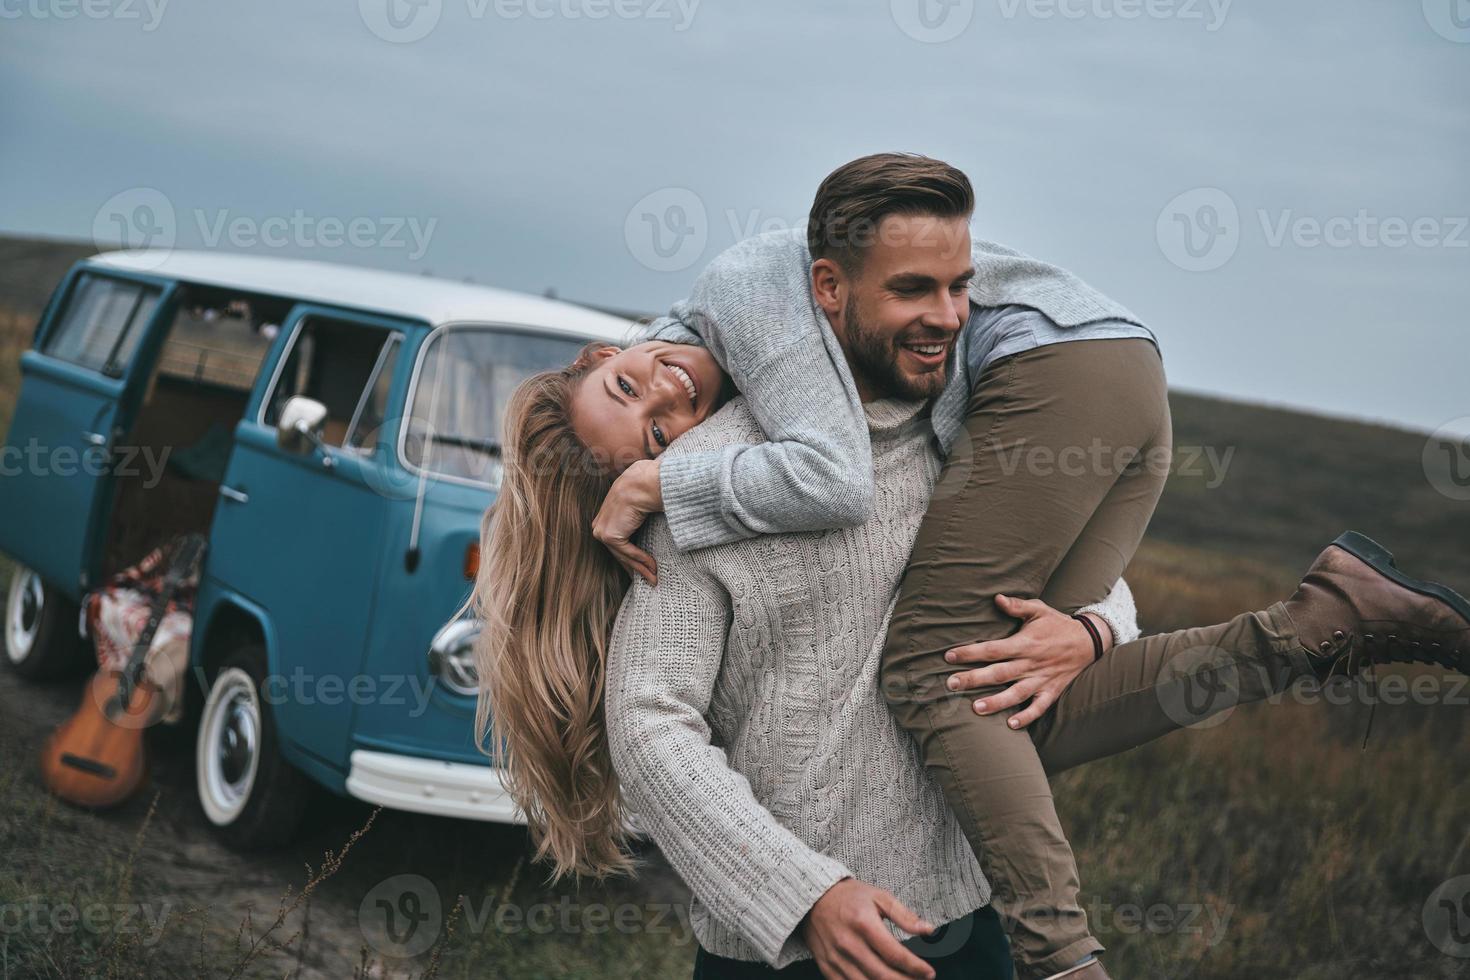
x: 899, y: 312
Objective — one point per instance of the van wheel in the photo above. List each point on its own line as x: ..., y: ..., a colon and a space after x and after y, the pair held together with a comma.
x: 41, y: 640
x: 254, y: 798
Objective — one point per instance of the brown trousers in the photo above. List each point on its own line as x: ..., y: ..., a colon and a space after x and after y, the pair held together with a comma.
x: 1047, y: 494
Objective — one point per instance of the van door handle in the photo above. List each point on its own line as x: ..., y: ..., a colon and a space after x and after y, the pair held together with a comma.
x: 230, y: 493
x: 95, y: 438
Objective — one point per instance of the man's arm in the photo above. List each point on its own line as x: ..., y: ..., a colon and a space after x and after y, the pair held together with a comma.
x: 753, y: 308
x: 754, y: 874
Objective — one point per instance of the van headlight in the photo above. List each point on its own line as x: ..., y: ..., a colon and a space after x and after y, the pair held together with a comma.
x: 452, y: 657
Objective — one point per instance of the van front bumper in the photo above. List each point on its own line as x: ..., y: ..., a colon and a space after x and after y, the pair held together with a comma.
x: 445, y: 789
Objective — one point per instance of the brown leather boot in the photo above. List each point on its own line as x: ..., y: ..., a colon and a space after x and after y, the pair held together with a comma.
x: 1355, y: 608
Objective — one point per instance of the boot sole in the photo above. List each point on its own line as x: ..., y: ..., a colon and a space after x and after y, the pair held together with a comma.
x: 1380, y: 559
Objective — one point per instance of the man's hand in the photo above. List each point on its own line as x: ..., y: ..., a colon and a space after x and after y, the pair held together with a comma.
x: 634, y: 495
x: 1038, y: 662
x: 846, y: 935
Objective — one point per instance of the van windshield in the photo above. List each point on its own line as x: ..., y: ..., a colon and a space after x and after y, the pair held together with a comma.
x: 465, y: 378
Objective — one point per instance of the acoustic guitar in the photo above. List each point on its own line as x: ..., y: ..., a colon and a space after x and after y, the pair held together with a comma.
x: 97, y: 758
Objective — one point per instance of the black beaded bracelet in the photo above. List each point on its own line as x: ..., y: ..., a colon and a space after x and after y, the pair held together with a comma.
x: 1097, y: 646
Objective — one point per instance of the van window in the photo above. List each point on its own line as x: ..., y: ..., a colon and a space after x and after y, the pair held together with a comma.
x: 372, y: 411
x: 331, y: 361
x: 466, y: 375
x: 102, y: 323
x: 216, y: 339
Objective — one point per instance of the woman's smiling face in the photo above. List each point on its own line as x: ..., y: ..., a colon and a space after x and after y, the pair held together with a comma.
x: 635, y: 401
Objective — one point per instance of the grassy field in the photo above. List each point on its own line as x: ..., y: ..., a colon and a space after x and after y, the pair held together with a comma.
x: 1272, y: 845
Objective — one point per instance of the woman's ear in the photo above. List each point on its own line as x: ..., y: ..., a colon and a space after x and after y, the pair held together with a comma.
x: 590, y: 358
x: 829, y: 286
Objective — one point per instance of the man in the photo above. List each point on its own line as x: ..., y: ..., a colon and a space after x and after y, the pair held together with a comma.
x: 741, y: 690
x: 1058, y: 365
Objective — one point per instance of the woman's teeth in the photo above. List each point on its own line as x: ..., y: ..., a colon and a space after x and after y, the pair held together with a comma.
x: 686, y: 381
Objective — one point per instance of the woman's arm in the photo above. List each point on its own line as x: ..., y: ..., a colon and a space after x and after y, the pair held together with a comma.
x: 753, y: 308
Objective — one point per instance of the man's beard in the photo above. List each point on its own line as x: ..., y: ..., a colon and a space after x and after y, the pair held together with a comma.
x: 874, y: 357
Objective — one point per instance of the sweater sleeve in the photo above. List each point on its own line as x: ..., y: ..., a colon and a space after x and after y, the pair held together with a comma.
x: 1119, y: 612
x: 753, y: 309
x: 754, y: 874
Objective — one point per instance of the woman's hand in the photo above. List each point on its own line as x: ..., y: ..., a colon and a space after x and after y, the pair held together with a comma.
x: 634, y: 495
x: 1038, y: 661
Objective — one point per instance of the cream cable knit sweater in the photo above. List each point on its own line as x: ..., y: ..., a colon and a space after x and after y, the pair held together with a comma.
x: 746, y: 721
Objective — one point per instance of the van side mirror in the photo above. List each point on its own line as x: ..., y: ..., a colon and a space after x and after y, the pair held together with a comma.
x: 299, y: 427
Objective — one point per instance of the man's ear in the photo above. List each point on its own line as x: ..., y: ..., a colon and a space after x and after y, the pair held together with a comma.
x: 829, y: 287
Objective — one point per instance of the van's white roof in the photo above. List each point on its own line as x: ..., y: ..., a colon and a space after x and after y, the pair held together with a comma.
x: 420, y: 297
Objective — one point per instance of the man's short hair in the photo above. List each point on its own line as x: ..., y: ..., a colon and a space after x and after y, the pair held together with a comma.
x: 855, y: 198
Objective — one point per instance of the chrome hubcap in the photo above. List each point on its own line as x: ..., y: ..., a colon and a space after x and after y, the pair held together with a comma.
x: 23, y: 609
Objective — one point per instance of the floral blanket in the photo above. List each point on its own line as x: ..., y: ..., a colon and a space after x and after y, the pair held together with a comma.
x: 118, y: 612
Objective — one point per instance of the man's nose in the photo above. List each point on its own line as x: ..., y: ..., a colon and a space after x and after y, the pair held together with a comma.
x: 942, y: 314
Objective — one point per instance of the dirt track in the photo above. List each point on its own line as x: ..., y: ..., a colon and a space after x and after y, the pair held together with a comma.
x: 455, y: 857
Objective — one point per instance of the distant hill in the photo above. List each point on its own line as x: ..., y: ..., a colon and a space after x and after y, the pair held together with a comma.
x: 1291, y: 481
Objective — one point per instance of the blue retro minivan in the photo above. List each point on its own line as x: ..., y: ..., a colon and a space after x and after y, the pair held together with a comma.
x: 334, y: 431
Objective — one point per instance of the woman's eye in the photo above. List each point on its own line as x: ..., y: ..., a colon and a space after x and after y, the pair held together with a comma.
x: 658, y: 435
x: 627, y: 388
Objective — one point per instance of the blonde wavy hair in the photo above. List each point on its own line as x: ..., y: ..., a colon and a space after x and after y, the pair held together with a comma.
x: 546, y: 595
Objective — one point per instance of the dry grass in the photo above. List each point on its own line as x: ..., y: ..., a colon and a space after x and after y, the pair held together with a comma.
x: 1299, y: 853
x: 15, y: 337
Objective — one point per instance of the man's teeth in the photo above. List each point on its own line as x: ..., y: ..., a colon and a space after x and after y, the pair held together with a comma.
x: 926, y: 348
x: 686, y: 381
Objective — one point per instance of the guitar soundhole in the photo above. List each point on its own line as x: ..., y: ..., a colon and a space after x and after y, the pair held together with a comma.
x: 89, y: 766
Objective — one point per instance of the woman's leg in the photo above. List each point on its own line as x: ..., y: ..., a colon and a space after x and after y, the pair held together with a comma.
x: 1065, y: 452
x: 1354, y: 607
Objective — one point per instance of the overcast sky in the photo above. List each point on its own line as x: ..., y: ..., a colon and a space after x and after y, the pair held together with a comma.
x: 1281, y: 189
